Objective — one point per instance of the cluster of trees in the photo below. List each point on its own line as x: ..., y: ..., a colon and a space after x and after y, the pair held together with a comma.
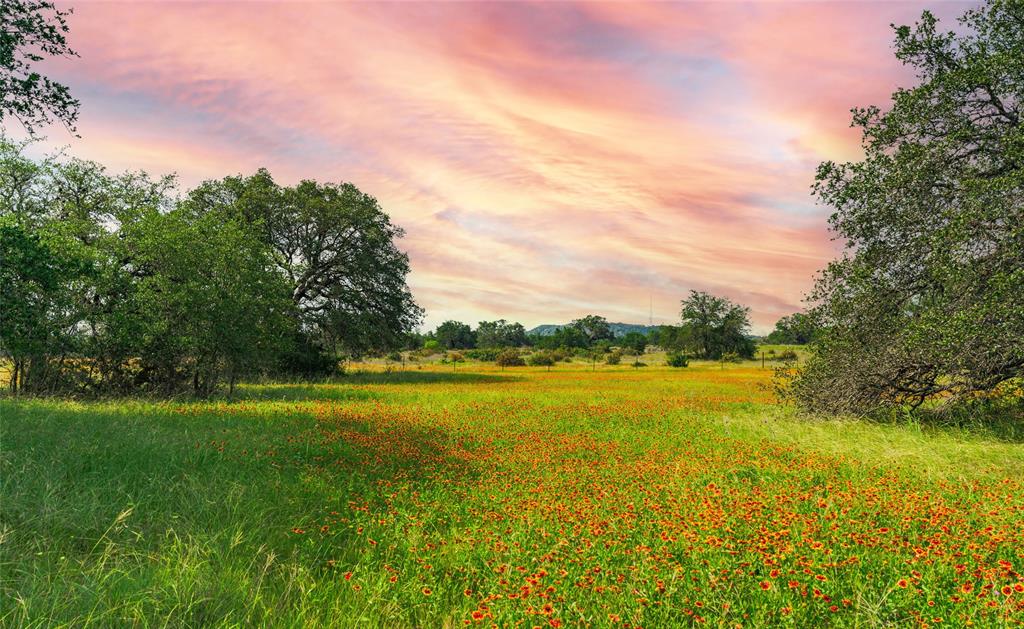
x: 926, y: 301
x: 112, y: 283
x: 583, y: 333
x: 712, y: 327
x: 796, y: 329
x: 488, y: 335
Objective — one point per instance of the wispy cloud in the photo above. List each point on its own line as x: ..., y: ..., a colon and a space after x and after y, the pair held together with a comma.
x: 546, y: 160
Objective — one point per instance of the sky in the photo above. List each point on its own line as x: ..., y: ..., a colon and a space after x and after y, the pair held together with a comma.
x: 546, y: 161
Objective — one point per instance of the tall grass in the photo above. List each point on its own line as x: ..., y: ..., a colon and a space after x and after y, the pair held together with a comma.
x: 647, y: 497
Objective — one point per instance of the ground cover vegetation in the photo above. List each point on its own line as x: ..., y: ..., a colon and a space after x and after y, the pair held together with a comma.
x: 533, y: 496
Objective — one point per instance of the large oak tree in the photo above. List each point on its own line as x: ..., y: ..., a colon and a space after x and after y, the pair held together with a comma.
x: 927, y: 299
x: 337, y: 249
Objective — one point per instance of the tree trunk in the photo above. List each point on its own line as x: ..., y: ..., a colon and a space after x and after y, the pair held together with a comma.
x: 15, y: 370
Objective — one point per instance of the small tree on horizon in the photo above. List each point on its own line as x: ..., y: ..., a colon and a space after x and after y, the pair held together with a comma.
x: 455, y: 358
x: 717, y: 325
x: 509, y: 358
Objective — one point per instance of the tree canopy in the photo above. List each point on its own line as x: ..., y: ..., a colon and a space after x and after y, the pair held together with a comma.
x: 113, y: 284
x: 568, y: 337
x: 455, y: 335
x: 595, y: 328
x: 795, y: 329
x: 717, y: 325
x: 29, y: 31
x: 335, y: 246
x: 926, y: 300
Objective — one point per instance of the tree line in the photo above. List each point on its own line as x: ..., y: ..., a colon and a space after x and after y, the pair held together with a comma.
x: 710, y: 327
x: 114, y: 283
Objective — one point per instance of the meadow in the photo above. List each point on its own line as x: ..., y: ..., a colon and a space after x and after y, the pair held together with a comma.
x: 433, y: 497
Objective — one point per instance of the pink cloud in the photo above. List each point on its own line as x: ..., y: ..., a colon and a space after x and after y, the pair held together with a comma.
x: 546, y: 160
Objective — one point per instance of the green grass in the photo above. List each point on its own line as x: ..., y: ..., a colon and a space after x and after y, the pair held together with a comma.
x: 642, y: 497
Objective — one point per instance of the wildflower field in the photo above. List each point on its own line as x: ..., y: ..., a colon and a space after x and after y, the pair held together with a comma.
x: 614, y: 497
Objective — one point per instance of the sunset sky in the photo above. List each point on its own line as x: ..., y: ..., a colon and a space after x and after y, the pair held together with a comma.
x: 546, y: 160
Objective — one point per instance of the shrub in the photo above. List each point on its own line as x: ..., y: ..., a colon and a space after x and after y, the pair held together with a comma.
x: 488, y: 354
x: 509, y: 358
x: 305, y: 358
x: 395, y: 357
x: 541, y: 359
x: 614, y: 358
x: 677, y: 359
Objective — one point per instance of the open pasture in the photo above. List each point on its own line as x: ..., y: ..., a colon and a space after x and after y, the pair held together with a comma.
x: 611, y: 497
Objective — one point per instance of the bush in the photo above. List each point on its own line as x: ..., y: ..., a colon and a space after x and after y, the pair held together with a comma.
x: 787, y: 356
x: 541, y: 359
x: 677, y: 359
x: 614, y: 358
x: 489, y: 354
x: 731, y: 357
x: 509, y: 358
x: 395, y: 357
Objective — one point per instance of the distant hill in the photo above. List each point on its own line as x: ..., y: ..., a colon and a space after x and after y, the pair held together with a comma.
x: 618, y: 329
